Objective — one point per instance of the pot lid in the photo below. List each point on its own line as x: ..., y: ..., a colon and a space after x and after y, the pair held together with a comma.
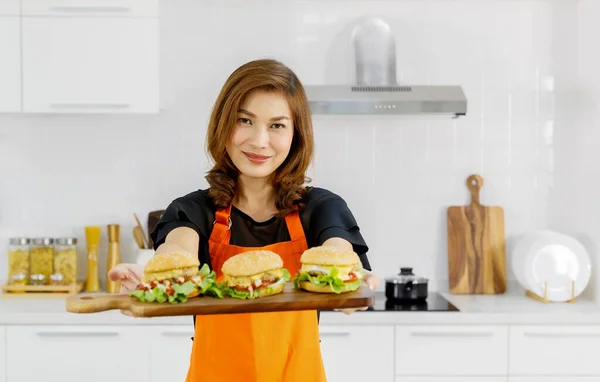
x: 406, y: 275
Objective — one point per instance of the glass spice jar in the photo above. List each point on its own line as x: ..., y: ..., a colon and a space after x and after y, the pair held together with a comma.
x: 65, y: 259
x: 18, y: 258
x: 42, y: 256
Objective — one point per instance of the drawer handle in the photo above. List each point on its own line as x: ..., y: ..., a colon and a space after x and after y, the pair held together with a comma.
x: 65, y: 9
x: 452, y: 334
x: 96, y: 106
x: 562, y: 335
x: 177, y: 334
x: 77, y: 334
x: 335, y: 334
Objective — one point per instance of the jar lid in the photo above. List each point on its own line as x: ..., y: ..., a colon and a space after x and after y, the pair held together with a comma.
x: 19, y: 276
x: 66, y: 241
x: 19, y: 241
x: 38, y: 277
x: 43, y: 241
x: 406, y: 275
x: 56, y: 277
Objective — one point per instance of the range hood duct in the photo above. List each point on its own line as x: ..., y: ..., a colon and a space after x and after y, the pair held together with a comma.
x: 376, y: 91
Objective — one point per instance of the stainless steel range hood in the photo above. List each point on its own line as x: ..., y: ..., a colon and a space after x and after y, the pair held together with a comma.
x: 376, y: 91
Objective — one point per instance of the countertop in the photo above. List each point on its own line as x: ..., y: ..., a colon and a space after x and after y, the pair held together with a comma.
x: 512, y: 308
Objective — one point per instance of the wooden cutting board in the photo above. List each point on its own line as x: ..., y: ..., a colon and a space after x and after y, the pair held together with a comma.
x: 476, y: 246
x: 289, y: 300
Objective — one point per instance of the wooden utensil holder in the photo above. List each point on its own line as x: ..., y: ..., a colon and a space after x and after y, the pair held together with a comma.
x: 544, y: 298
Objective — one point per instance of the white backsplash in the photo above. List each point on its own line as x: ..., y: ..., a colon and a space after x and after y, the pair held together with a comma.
x: 398, y: 175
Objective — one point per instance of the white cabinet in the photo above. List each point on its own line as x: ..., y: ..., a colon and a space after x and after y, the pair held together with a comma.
x: 90, y: 65
x: 451, y: 379
x: 10, y: 64
x: 554, y: 350
x: 90, y: 7
x: 10, y: 7
x: 554, y: 379
x: 455, y: 350
x: 77, y: 353
x: 358, y: 353
x: 2, y: 353
x: 170, y: 351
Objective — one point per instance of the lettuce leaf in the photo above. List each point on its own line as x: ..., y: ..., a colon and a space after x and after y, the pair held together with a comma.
x: 336, y: 284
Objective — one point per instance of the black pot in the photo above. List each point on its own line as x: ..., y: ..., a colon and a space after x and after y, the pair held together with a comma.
x: 406, y: 286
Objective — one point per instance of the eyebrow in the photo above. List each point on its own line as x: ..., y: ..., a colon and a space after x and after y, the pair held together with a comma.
x: 244, y: 111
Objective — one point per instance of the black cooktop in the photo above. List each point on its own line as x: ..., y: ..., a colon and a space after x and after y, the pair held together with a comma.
x: 435, y: 302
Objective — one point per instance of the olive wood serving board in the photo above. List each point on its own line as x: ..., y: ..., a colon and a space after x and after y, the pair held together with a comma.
x: 290, y: 299
x: 476, y: 246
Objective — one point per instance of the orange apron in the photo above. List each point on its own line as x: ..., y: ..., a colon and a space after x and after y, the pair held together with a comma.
x: 256, y: 347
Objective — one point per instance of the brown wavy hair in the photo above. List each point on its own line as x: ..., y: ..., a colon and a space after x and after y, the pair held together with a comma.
x: 290, y: 178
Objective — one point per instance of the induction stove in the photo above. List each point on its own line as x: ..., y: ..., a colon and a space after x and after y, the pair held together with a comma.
x: 434, y: 302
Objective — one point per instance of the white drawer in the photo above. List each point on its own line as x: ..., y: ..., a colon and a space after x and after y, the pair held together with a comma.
x: 117, y: 8
x: 554, y: 350
x: 91, y: 353
x: 552, y: 379
x: 452, y: 350
x: 451, y: 379
x: 10, y: 7
x: 2, y: 353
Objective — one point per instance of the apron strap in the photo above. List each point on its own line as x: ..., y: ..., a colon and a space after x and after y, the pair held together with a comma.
x: 222, y: 225
x: 294, y: 226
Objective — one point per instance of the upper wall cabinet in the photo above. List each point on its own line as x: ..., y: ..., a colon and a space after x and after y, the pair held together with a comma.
x: 141, y: 8
x: 84, y: 56
x: 10, y: 7
x: 10, y: 59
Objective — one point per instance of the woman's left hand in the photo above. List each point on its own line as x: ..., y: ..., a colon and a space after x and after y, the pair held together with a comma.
x: 372, y: 281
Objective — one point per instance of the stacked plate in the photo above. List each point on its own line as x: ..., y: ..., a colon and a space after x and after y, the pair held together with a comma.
x: 550, y: 257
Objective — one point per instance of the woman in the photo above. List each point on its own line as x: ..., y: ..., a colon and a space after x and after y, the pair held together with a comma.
x: 261, y: 140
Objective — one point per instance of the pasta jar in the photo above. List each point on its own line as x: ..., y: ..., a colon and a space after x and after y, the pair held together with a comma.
x: 65, y: 259
x: 18, y: 259
x: 42, y: 255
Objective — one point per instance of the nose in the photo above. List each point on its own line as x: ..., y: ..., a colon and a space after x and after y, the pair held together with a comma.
x: 260, y: 137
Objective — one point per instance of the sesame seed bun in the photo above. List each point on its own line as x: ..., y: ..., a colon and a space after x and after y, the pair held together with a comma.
x: 252, y: 263
x: 329, y: 255
x: 169, y: 261
x: 308, y: 286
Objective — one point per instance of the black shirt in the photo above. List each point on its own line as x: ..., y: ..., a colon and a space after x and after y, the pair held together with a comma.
x: 325, y: 215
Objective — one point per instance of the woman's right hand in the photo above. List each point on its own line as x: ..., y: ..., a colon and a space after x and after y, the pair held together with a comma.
x: 129, y: 275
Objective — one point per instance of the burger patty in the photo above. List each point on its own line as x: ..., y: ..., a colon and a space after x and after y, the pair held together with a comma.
x: 254, y: 280
x: 345, y: 273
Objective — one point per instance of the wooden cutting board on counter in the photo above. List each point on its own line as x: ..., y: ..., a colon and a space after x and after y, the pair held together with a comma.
x: 290, y: 299
x: 476, y: 246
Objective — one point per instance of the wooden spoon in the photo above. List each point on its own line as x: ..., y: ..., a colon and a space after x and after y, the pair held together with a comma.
x: 139, y: 237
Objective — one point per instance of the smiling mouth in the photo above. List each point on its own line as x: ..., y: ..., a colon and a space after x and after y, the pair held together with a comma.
x: 256, y: 157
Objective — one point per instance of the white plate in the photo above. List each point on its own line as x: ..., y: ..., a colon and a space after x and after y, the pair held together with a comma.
x: 554, y: 258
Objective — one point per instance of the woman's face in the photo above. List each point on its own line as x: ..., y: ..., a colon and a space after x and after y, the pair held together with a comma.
x: 263, y: 134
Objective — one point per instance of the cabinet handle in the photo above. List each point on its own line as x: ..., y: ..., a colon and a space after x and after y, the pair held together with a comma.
x: 77, y: 334
x: 561, y: 335
x: 335, y: 334
x: 95, y: 106
x: 451, y: 334
x: 177, y: 334
x: 66, y: 9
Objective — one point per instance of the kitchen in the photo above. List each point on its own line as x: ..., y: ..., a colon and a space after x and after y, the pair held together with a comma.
x: 148, y: 72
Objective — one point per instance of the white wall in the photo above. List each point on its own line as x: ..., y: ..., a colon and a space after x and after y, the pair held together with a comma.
x: 574, y: 208
x: 60, y: 173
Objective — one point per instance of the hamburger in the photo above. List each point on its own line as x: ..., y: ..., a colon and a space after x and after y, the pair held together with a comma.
x: 254, y: 274
x: 327, y: 269
x: 175, y: 277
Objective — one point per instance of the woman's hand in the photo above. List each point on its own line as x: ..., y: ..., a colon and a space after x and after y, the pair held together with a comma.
x: 129, y: 275
x: 372, y: 281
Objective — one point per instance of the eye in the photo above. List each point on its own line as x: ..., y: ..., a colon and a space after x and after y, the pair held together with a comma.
x: 278, y: 126
x: 245, y: 121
